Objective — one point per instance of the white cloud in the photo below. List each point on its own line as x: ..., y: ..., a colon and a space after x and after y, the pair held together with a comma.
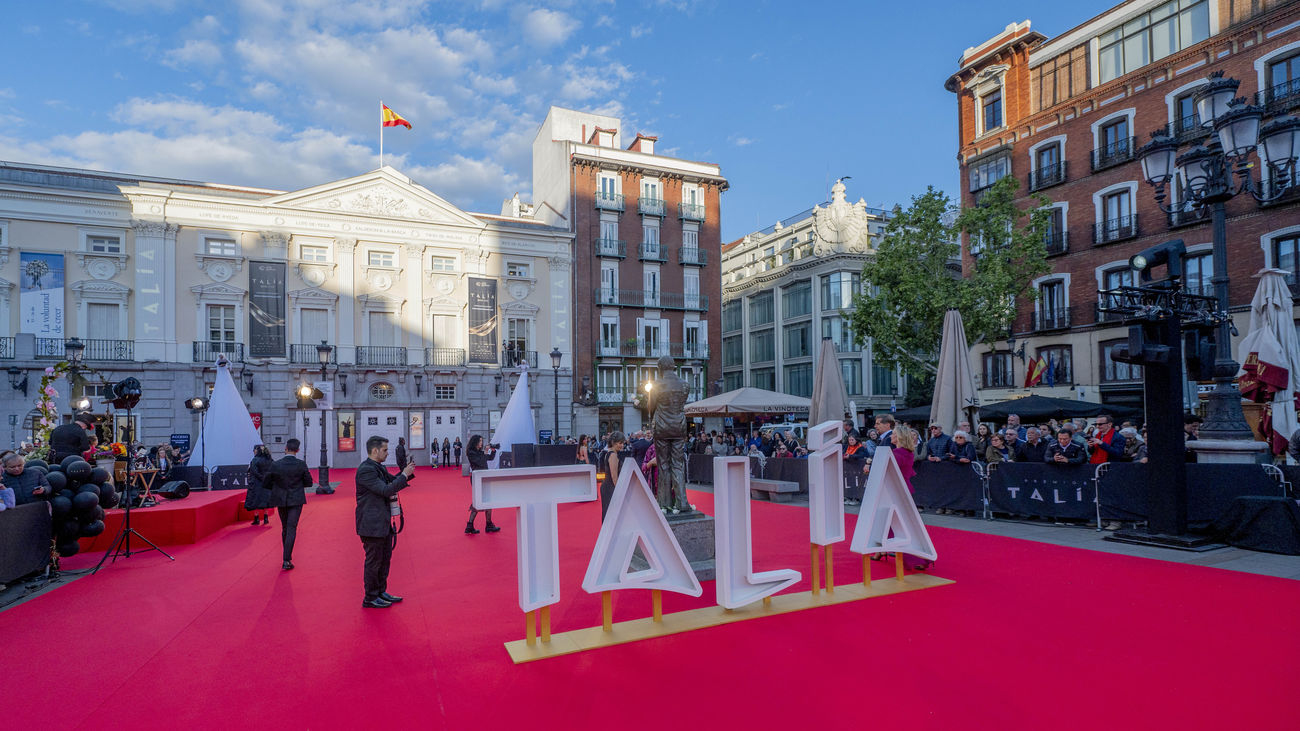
x: 31, y: 30
x: 740, y: 141
x: 640, y: 30
x: 548, y: 27
x: 193, y: 53
x: 604, y: 21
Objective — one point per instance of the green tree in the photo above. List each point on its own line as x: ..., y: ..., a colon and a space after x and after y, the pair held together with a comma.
x: 915, y: 276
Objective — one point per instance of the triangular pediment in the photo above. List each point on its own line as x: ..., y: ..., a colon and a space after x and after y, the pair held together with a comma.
x: 385, y: 193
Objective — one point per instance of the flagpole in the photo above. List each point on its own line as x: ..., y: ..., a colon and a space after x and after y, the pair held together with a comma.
x: 381, y: 133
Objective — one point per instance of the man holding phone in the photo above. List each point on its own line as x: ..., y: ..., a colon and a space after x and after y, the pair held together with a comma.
x: 376, y: 505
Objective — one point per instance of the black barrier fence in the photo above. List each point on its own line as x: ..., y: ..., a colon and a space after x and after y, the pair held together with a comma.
x: 1112, y: 491
x: 25, y: 533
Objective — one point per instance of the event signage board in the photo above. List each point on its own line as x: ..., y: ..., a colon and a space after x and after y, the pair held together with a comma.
x: 416, y: 429
x: 544, y: 436
x: 180, y: 441
x: 482, y: 320
x: 266, y: 309
x: 41, y: 294
x: 256, y: 416
x: 347, y: 431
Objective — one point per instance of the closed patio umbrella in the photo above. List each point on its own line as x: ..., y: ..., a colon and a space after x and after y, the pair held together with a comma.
x: 954, y: 382
x: 1271, y: 366
x: 830, y: 400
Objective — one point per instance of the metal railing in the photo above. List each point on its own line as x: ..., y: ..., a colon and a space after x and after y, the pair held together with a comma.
x: 512, y: 358
x: 1055, y: 318
x: 309, y: 353
x: 1280, y: 98
x: 205, y: 351
x: 1113, y: 154
x: 1056, y: 242
x: 652, y: 252
x: 7, y: 347
x: 381, y: 355
x: 94, y: 349
x: 650, y: 206
x: 447, y: 357
x: 1187, y: 128
x: 690, y: 211
x: 848, y: 347
x: 692, y: 255
x: 651, y: 299
x: 1116, y: 229
x: 611, y: 247
x: 653, y: 349
x: 609, y: 201
x: 1047, y: 175
x: 1186, y: 217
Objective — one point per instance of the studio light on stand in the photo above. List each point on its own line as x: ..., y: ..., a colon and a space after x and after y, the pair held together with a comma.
x: 125, y: 394
x: 199, y: 405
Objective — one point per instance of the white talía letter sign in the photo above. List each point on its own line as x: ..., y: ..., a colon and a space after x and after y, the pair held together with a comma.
x: 634, y: 519
x: 826, y: 483
x: 887, y: 505
x: 536, y: 491
x: 737, y: 584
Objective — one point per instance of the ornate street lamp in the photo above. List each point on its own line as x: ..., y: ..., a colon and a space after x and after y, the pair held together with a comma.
x: 18, y: 380
x: 556, y: 355
x: 72, y: 351
x: 324, y: 351
x: 1203, y: 179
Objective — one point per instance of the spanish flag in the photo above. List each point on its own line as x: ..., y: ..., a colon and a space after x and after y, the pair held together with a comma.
x: 389, y: 118
x: 1034, y: 373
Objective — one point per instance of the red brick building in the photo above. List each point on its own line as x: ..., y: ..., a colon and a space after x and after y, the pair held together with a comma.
x: 647, y: 252
x: 1066, y: 116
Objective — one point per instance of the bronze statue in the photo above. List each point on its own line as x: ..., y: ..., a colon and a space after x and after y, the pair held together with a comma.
x: 668, y: 404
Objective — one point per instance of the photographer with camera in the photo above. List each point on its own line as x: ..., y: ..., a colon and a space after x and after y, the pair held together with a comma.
x: 376, y: 506
x: 478, y: 460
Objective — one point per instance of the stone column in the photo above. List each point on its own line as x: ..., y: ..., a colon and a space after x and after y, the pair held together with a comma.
x: 413, y: 316
x: 344, y: 252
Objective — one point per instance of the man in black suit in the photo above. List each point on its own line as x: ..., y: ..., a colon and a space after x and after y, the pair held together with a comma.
x: 376, y: 494
x: 71, y: 439
x: 288, y: 479
x: 640, y: 445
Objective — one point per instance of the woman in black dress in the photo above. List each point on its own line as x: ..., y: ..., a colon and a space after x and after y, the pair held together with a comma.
x: 478, y: 460
x: 400, y: 453
x: 456, y: 446
x: 258, y: 498
x: 611, y: 463
x: 446, y: 452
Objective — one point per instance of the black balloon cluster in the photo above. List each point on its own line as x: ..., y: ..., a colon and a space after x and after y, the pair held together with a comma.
x: 82, y: 492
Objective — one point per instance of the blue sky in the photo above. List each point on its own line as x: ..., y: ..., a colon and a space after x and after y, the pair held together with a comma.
x: 284, y: 94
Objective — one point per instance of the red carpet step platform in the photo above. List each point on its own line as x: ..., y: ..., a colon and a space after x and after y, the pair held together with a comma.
x: 1031, y: 636
x: 175, y: 522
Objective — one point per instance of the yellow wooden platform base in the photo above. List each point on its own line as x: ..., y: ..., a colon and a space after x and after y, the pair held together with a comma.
x: 580, y: 640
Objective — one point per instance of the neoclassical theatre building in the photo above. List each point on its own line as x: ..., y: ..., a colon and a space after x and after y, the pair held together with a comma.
x: 422, y: 313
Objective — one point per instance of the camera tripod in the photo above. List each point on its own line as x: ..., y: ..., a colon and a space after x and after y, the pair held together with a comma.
x: 122, y: 543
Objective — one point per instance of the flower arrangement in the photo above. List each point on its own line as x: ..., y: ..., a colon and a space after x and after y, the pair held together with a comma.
x: 103, y: 451
x: 118, y: 448
x: 48, y: 411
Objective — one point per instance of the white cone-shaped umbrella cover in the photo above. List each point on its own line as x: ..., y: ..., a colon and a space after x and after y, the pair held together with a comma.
x: 228, y: 435
x: 954, y: 384
x: 516, y: 424
x: 1272, y: 338
x: 830, y: 400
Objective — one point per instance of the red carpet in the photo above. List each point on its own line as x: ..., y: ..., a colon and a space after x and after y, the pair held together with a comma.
x: 1030, y: 636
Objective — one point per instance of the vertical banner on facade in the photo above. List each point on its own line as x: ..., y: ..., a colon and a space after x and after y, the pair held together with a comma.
x: 417, y: 430
x: 482, y: 320
x: 41, y: 295
x: 347, y: 431
x: 266, y: 308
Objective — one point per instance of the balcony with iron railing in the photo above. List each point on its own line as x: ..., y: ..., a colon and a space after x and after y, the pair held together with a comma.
x: 1051, y: 318
x: 1117, y: 152
x: 1281, y: 98
x: 513, y: 358
x: 690, y: 211
x: 94, y: 349
x: 1186, y: 217
x: 308, y: 353
x: 1115, y: 229
x: 614, y: 248
x: 7, y: 348
x: 444, y: 357
x: 1186, y: 129
x: 391, y: 356
x: 609, y: 201
x: 205, y: 351
x: 652, y: 252
x: 650, y: 206
x: 692, y: 255
x: 848, y: 347
x: 1056, y: 242
x: 651, y: 299
x: 1047, y: 176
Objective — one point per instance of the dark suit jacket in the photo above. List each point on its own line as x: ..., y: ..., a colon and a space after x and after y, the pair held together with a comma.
x: 375, y: 485
x: 287, y: 479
